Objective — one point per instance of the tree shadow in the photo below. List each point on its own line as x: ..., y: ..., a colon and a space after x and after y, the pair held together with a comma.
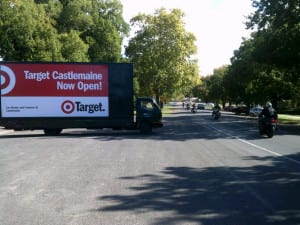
x: 267, y: 193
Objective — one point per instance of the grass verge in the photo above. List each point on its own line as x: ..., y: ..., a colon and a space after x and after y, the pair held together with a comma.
x: 289, y: 119
x: 166, y: 110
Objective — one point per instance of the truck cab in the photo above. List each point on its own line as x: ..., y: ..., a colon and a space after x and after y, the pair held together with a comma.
x: 148, y: 115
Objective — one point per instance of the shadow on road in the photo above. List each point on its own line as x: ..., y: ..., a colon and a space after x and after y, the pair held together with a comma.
x: 262, y: 194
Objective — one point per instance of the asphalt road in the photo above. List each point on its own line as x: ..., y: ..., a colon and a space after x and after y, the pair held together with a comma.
x: 194, y: 170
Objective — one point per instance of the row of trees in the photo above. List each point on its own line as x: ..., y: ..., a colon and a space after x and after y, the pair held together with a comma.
x: 266, y: 67
x: 162, y: 51
x: 64, y: 30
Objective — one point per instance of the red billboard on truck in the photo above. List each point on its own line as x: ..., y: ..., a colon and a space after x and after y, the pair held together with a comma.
x: 53, y: 96
x: 54, y: 90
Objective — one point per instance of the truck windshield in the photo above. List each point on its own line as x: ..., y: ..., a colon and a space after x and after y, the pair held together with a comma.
x: 149, y: 105
x: 155, y: 105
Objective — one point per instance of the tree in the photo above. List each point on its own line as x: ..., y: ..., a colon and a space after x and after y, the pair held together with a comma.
x: 75, y: 15
x: 62, y: 30
x: 106, y: 34
x: 217, y: 91
x: 212, y: 87
x: 100, y: 25
x: 162, y: 53
x: 26, y: 33
x: 73, y: 47
x: 237, y: 80
x: 266, y: 66
x: 277, y: 39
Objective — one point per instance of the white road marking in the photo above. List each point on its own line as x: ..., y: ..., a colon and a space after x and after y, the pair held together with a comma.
x: 256, y: 146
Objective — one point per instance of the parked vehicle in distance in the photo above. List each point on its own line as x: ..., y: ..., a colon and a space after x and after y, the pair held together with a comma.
x: 201, y: 106
x: 193, y: 108
x: 241, y: 109
x: 175, y: 103
x: 255, y: 111
x: 229, y: 108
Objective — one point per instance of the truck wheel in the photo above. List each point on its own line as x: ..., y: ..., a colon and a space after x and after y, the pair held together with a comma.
x: 145, y: 128
x: 52, y: 131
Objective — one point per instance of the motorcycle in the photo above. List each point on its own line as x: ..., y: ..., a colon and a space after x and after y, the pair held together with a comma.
x: 188, y: 106
x: 216, y: 114
x: 267, y: 126
x: 193, y: 109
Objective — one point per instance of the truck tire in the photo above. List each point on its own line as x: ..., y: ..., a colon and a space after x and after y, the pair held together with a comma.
x: 52, y: 131
x: 145, y: 128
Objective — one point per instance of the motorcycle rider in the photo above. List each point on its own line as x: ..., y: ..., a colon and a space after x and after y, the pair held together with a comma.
x: 266, y: 115
x: 193, y: 109
x: 216, y: 109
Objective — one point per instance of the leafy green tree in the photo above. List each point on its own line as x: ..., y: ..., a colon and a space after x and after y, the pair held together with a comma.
x: 212, y: 87
x: 163, y: 53
x: 240, y: 73
x: 75, y: 15
x: 251, y: 82
x: 217, y: 91
x: 62, y: 30
x: 26, y: 32
x: 201, y: 91
x: 99, y: 24
x: 278, y: 36
x: 73, y: 48
x: 106, y: 34
x: 277, y: 40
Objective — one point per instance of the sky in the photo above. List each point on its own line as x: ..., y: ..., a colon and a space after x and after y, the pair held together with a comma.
x: 218, y: 25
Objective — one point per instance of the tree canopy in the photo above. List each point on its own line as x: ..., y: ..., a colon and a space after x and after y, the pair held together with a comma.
x: 163, y: 53
x: 267, y: 65
x: 64, y: 30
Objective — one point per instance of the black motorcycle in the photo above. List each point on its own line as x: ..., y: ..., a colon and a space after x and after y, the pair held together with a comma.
x: 216, y: 114
x: 193, y: 109
x: 267, y: 126
x: 188, y: 107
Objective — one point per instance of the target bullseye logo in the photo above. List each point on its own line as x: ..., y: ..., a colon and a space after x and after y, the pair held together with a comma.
x: 68, y: 107
x: 8, y: 79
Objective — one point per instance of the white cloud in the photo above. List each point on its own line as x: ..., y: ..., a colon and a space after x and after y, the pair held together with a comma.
x: 217, y: 24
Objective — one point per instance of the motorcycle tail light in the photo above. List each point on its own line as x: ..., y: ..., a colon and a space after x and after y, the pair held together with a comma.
x: 274, y: 121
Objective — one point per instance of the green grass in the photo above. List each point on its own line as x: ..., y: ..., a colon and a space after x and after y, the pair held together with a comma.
x: 289, y: 119
x: 166, y: 110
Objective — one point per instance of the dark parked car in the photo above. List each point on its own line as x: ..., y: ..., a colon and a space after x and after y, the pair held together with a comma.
x: 241, y: 109
x: 229, y: 108
x: 201, y: 106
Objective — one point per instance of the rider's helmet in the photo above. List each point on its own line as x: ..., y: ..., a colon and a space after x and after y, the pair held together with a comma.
x: 269, y: 104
